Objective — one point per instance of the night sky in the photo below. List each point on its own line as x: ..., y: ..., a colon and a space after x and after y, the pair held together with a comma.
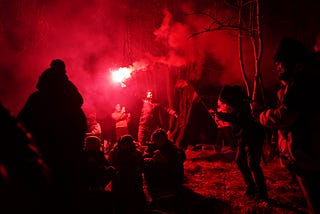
x: 95, y: 36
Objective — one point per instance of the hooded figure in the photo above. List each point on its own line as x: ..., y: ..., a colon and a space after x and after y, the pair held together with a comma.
x: 53, y: 115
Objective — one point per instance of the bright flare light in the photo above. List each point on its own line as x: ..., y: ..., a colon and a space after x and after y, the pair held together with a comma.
x: 121, y: 75
x: 124, y: 73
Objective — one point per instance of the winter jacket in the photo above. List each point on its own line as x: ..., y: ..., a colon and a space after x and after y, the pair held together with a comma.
x: 297, y: 119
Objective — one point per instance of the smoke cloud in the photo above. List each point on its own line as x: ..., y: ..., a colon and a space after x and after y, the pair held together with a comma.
x: 95, y: 36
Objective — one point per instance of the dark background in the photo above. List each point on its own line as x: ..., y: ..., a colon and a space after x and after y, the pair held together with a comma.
x: 94, y: 37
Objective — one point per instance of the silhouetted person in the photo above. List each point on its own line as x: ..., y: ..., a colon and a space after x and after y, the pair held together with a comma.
x: 127, y: 184
x: 280, y: 136
x: 298, y: 116
x: 97, y: 174
x: 224, y: 129
x: 250, y: 137
x: 25, y: 179
x: 98, y: 171
x: 164, y: 167
x: 53, y: 115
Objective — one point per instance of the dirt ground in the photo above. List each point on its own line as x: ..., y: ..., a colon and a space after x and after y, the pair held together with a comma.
x: 218, y: 186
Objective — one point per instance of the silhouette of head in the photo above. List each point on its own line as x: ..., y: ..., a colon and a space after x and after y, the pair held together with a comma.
x: 233, y: 95
x: 58, y: 65
x: 159, y: 137
x: 92, y: 144
x: 49, y: 78
x: 290, y: 53
x: 126, y: 143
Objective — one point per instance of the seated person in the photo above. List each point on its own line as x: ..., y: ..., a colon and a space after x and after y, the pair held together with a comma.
x: 163, y: 166
x: 98, y: 171
x: 127, y: 184
x: 94, y: 127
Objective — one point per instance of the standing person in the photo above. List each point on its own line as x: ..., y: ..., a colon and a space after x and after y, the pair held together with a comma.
x: 298, y: 116
x: 150, y: 118
x: 250, y: 137
x: 224, y: 131
x: 53, y: 115
x: 121, y: 119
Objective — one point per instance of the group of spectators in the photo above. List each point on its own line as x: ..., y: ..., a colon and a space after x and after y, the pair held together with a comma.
x: 49, y: 160
x: 51, y: 163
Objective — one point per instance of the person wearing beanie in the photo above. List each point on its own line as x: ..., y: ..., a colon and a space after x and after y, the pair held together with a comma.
x: 250, y: 137
x: 297, y: 117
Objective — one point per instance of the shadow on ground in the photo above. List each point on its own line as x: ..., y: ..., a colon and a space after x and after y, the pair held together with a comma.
x: 189, y: 202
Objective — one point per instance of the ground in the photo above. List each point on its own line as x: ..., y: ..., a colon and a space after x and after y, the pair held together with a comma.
x: 214, y: 177
x: 213, y: 185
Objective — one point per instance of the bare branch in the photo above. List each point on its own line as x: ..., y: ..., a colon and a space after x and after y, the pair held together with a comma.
x: 219, y: 24
x: 235, y: 6
x: 221, y: 27
x: 249, y: 2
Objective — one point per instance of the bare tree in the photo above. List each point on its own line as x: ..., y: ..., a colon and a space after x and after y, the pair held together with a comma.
x: 246, y: 22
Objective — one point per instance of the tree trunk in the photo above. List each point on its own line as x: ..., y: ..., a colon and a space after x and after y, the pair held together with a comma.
x: 243, y: 70
x: 257, y: 47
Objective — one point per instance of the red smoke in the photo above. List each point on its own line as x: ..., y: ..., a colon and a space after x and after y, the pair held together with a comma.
x: 95, y: 36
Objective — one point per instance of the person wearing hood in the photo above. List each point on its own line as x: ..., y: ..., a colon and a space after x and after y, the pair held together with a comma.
x: 54, y: 116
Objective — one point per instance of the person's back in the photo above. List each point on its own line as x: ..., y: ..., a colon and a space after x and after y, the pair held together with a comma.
x: 98, y: 171
x: 54, y: 110
x: 54, y: 116
x: 127, y: 183
x: 164, y: 166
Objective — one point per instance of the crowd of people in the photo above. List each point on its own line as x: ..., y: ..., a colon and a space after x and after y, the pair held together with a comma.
x: 54, y: 155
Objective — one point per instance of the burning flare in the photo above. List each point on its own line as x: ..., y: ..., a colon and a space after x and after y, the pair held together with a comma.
x: 123, y: 73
